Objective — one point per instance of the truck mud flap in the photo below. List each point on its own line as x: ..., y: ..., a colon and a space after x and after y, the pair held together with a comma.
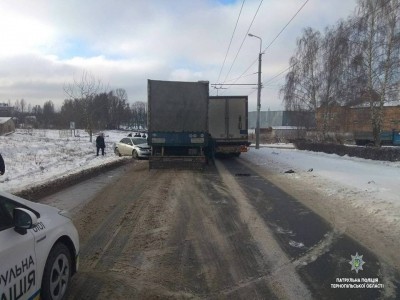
x: 180, y: 163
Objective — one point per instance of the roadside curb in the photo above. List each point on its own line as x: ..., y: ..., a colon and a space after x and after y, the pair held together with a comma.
x: 42, y: 190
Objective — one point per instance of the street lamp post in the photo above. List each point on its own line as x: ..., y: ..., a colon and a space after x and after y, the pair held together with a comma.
x: 258, y: 93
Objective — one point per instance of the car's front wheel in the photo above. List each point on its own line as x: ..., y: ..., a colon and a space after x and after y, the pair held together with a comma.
x: 116, y: 151
x: 57, y: 273
x: 135, y: 155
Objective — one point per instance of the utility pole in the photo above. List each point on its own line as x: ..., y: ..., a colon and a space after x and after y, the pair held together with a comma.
x: 258, y: 93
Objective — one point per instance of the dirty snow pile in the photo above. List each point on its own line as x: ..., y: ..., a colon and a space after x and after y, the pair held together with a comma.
x: 370, y: 187
x: 34, y: 156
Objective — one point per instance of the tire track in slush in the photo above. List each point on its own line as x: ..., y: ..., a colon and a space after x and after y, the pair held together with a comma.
x: 126, y: 214
x: 141, y: 234
x: 214, y: 249
x: 285, y: 282
x: 236, y: 252
x: 89, y: 285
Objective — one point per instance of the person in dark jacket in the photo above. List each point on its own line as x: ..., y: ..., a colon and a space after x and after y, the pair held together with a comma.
x: 100, y: 144
x: 2, y: 165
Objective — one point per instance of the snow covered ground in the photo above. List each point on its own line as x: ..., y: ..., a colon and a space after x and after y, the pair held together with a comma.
x: 379, y: 179
x: 33, y: 157
x: 371, y: 187
x: 365, y: 190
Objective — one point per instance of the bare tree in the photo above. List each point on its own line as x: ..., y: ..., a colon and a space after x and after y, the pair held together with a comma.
x: 356, y: 63
x: 17, y: 106
x: 48, y: 114
x: 85, y: 89
x: 118, y: 107
x: 139, y: 114
x: 334, y: 53
x: 301, y: 90
x: 37, y: 110
x: 378, y: 55
x: 121, y: 94
x: 22, y: 105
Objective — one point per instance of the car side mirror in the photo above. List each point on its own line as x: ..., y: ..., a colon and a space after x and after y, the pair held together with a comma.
x: 24, y: 219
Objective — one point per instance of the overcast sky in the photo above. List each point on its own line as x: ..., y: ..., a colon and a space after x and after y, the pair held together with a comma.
x: 45, y: 44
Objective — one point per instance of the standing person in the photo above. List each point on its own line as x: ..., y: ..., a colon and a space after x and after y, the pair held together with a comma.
x: 100, y: 144
x: 2, y: 165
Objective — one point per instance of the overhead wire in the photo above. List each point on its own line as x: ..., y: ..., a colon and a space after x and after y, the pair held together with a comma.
x: 276, y: 76
x: 241, y: 45
x: 276, y: 37
x: 230, y: 43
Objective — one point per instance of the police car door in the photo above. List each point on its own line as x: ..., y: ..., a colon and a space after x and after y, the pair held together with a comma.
x: 17, y: 259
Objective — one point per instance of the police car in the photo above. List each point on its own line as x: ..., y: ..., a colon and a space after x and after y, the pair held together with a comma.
x: 39, y: 249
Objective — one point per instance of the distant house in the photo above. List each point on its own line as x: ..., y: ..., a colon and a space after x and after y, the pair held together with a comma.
x: 6, y: 110
x: 7, y: 125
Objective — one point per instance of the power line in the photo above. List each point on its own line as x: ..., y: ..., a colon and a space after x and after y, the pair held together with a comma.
x: 229, y: 47
x: 251, y: 74
x: 276, y: 76
x: 276, y: 37
x: 245, y: 36
x: 283, y: 29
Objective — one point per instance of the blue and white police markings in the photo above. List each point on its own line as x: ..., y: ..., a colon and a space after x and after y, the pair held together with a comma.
x: 17, y: 281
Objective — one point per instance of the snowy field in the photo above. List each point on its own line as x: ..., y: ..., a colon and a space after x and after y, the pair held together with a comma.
x: 33, y: 157
x: 371, y: 187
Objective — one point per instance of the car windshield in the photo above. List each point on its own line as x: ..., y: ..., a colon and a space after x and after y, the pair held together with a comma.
x: 139, y: 141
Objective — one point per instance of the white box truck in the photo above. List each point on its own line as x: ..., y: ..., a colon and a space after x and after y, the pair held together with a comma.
x: 227, y: 124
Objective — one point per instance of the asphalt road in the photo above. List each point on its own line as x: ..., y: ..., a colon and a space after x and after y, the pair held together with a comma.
x: 321, y: 254
x: 224, y: 233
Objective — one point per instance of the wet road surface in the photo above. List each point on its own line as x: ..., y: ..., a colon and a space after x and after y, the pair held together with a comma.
x: 322, y: 254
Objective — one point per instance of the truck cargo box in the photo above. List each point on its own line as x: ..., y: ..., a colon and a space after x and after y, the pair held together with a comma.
x: 176, y: 106
x: 228, y: 123
x: 177, y: 123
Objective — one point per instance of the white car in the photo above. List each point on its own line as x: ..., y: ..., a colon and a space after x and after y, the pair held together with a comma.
x: 39, y: 248
x: 136, y: 147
